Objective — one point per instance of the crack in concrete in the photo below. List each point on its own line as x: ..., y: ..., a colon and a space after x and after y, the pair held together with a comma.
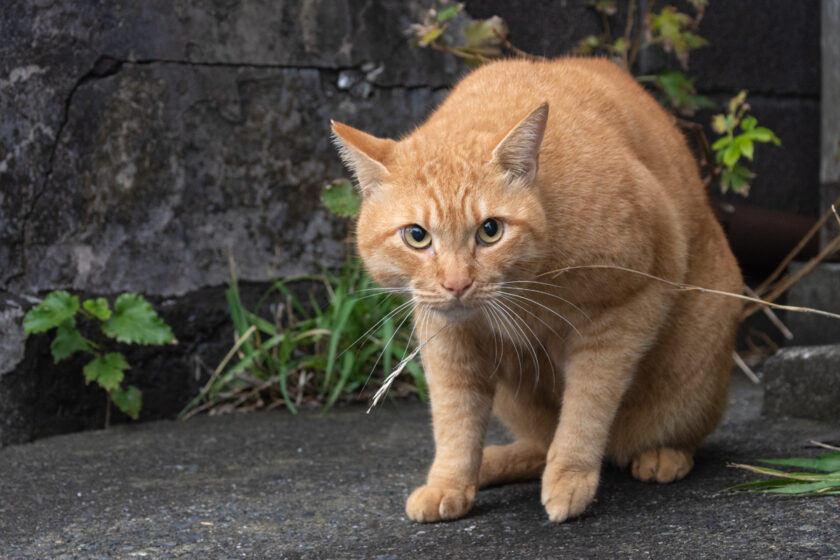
x: 103, y: 67
x: 106, y: 66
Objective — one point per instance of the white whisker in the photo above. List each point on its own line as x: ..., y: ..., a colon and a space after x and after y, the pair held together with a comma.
x: 543, y: 306
x: 534, y: 355
x: 547, y: 355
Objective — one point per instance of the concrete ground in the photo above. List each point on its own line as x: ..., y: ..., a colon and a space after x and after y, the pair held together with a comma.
x: 273, y: 485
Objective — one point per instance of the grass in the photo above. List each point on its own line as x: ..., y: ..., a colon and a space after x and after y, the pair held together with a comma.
x: 822, y: 477
x: 309, y: 353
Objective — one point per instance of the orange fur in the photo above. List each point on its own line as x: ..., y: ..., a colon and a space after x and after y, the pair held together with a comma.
x: 580, y: 366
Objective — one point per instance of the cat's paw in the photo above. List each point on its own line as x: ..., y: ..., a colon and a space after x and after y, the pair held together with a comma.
x: 662, y: 465
x: 434, y: 503
x: 567, y: 492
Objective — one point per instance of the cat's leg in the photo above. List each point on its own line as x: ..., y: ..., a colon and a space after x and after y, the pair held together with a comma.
x: 514, y: 462
x: 598, y: 370
x: 665, y: 464
x: 461, y: 403
x: 679, y: 391
x: 532, y: 423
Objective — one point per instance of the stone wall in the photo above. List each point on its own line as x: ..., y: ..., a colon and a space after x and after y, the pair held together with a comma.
x: 141, y: 143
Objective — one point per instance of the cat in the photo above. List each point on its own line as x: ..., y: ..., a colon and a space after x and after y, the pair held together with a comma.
x: 481, y: 214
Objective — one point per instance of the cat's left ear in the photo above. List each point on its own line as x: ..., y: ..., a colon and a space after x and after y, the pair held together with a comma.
x: 518, y: 152
x: 365, y: 155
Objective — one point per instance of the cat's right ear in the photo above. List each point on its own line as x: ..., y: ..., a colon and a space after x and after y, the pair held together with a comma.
x: 365, y: 155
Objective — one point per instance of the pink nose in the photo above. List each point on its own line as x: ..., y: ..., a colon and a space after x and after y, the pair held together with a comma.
x: 457, y: 286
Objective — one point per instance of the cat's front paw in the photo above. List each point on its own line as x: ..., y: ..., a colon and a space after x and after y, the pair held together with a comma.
x: 434, y: 503
x: 567, y: 492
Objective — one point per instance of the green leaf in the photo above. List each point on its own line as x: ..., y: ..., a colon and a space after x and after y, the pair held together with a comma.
x: 68, y: 340
x: 56, y: 308
x: 763, y: 134
x: 134, y: 320
x: 98, y: 307
x: 448, y: 13
x: 745, y: 145
x: 620, y: 45
x: 721, y: 143
x: 341, y: 198
x: 827, y: 462
x: 732, y: 154
x: 106, y: 370
x: 748, y: 123
x: 430, y: 36
x: 802, y: 487
x: 486, y: 34
x: 129, y: 400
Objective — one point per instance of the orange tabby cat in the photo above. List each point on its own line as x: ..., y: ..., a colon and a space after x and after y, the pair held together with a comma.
x: 527, y: 168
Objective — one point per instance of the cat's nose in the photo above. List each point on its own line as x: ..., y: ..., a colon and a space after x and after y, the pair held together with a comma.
x: 457, y: 286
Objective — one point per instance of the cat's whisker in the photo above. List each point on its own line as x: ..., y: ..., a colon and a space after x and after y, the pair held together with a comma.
x: 504, y: 322
x: 385, y: 347
x: 534, y: 355
x: 496, y: 355
x: 390, y: 314
x: 547, y: 355
x: 555, y: 296
x: 550, y: 310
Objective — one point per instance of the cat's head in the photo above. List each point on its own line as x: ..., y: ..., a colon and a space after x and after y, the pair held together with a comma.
x: 445, y: 220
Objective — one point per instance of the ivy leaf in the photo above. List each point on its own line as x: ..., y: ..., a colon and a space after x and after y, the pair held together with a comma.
x: 68, y: 340
x: 56, y: 308
x: 98, y: 307
x: 134, y: 320
x: 129, y: 400
x: 341, y: 198
x: 106, y: 370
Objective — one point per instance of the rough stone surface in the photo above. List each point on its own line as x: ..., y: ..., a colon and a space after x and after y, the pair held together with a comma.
x: 819, y: 289
x: 803, y: 382
x: 142, y: 143
x: 272, y: 485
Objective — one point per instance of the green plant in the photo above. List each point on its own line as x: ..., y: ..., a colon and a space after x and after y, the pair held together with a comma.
x: 732, y: 146
x: 669, y: 29
x: 826, y: 479
x: 309, y: 352
x: 132, y: 320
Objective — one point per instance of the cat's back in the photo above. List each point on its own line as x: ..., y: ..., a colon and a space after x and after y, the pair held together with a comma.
x: 598, y: 115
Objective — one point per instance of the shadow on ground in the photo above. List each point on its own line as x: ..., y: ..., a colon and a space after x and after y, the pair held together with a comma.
x: 273, y: 485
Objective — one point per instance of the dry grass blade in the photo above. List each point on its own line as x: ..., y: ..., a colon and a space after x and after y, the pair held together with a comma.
x: 777, y: 474
x: 691, y: 288
x: 398, y: 370
x: 771, y: 316
x: 742, y: 365
x: 824, y: 445
x: 763, y: 287
x: 785, y: 284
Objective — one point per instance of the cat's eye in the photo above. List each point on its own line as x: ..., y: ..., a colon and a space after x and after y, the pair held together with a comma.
x: 490, y: 231
x: 416, y: 237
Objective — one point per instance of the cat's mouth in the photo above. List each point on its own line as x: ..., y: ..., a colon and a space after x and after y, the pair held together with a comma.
x: 455, y: 309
